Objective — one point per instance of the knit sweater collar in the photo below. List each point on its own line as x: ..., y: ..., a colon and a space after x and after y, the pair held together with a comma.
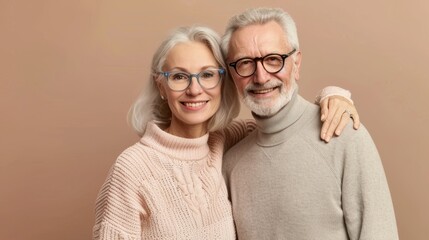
x: 279, y: 127
x: 185, y: 149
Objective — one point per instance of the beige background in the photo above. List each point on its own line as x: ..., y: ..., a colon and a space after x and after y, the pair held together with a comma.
x: 69, y: 70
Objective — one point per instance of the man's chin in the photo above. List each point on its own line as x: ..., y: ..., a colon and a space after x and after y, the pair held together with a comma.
x: 267, y: 107
x: 261, y: 108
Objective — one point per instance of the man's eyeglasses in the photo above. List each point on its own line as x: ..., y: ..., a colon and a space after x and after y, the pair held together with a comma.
x: 179, y: 81
x: 272, y: 63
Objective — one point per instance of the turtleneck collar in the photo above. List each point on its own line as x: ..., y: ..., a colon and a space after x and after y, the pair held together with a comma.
x: 185, y: 149
x: 277, y: 128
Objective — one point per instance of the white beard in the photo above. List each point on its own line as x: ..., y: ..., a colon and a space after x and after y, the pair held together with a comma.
x: 269, y: 107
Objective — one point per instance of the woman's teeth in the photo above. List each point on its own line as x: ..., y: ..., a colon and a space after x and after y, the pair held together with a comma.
x: 194, y: 104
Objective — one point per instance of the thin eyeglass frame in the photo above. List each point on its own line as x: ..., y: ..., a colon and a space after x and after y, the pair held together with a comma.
x: 196, y: 75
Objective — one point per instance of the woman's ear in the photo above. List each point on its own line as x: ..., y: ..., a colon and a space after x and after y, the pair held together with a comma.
x: 160, y: 87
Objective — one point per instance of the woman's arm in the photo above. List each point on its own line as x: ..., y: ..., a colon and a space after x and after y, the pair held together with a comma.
x: 119, y: 207
x: 336, y: 110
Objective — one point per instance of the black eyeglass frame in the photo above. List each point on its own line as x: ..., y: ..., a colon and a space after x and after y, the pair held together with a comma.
x: 196, y: 75
x: 256, y: 59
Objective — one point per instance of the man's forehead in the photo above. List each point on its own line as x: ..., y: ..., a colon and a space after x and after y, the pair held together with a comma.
x: 257, y: 39
x: 256, y: 46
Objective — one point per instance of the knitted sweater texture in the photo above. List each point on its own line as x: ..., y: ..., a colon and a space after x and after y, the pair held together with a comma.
x: 168, y: 187
x: 285, y: 183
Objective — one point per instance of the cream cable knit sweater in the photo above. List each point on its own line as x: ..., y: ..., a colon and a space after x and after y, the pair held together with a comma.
x: 167, y: 187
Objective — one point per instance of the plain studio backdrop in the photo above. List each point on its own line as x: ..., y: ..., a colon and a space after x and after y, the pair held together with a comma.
x: 70, y: 69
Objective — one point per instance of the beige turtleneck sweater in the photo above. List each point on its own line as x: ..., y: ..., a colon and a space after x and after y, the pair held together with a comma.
x: 286, y: 183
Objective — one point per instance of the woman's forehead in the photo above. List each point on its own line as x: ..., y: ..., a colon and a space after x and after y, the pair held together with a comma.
x: 190, y: 56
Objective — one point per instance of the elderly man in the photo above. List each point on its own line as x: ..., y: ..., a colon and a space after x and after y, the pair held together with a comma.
x: 284, y: 182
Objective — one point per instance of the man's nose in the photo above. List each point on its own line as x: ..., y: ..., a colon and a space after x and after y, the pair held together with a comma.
x: 261, y: 76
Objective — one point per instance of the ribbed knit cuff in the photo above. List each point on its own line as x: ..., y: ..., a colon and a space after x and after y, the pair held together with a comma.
x: 333, y: 91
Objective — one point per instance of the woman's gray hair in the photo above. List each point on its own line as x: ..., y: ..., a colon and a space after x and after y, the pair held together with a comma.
x: 260, y: 16
x: 149, y: 105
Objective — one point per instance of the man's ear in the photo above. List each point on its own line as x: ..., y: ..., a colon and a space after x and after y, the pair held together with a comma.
x: 297, y: 64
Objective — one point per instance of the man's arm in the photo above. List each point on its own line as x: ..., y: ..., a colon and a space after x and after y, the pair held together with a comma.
x: 366, y: 201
